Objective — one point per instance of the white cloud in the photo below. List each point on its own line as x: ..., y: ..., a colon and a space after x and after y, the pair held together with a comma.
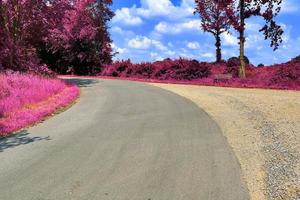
x: 188, y: 4
x: 229, y: 40
x: 142, y: 42
x: 207, y: 55
x: 139, y: 42
x: 125, y: 16
x: 118, y: 49
x: 165, y: 8
x: 159, y: 45
x: 170, y: 53
x: 155, y: 56
x: 151, y: 8
x: 121, y: 32
x: 193, y: 45
x: 176, y: 28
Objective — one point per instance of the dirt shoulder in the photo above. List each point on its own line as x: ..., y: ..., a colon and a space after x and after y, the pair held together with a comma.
x: 263, y: 129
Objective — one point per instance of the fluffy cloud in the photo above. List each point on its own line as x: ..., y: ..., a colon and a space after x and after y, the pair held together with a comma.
x: 159, y: 45
x: 208, y: 55
x: 155, y: 56
x: 193, y: 45
x: 177, y: 28
x: 139, y: 43
x: 124, y: 16
x: 150, y: 8
x: 229, y: 40
x: 142, y: 42
x: 118, y: 49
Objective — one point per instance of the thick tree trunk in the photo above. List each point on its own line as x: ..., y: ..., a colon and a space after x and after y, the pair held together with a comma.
x: 218, y: 48
x: 242, y: 69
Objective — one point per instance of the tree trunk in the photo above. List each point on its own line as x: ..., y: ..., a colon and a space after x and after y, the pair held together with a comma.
x: 242, y: 69
x: 218, y: 48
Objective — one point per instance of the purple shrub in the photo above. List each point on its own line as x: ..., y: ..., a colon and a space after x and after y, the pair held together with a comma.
x: 286, y: 75
x: 118, y: 69
x: 283, y: 76
x: 184, y: 70
x: 232, y: 66
x: 168, y: 69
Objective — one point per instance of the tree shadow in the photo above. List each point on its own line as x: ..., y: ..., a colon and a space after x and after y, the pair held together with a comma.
x: 82, y: 82
x: 21, y: 138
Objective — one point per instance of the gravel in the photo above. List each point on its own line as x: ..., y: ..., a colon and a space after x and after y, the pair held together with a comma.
x: 263, y: 129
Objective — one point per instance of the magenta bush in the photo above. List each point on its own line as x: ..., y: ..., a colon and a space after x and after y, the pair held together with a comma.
x: 287, y: 74
x: 25, y: 99
x: 232, y: 66
x: 282, y: 76
x: 180, y: 69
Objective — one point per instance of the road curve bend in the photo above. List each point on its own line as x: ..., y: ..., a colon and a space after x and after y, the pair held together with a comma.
x: 122, y: 141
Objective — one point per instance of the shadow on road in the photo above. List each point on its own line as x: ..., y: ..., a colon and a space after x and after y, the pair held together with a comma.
x: 21, y: 138
x: 82, y: 82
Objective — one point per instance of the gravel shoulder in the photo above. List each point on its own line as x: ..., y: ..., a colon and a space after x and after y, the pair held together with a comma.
x: 263, y: 129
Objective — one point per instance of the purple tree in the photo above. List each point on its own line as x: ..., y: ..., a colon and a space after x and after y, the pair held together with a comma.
x: 214, y: 20
x: 244, y: 9
x: 75, y: 32
x: 82, y: 39
x: 22, y: 27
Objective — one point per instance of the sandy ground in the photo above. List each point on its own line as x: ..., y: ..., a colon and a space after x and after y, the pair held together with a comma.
x: 263, y: 129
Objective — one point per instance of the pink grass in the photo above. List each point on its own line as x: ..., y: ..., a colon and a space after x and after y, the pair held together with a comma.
x: 27, y: 99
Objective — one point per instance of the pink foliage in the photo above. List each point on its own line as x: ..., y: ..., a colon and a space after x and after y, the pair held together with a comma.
x: 80, y: 42
x: 281, y: 76
x: 168, y: 69
x: 62, y: 34
x: 22, y: 28
x: 26, y: 99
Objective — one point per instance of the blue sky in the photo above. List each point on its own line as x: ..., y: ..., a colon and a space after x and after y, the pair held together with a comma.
x: 149, y: 30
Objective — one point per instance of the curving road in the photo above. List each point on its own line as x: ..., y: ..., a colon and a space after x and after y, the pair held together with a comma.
x: 121, y: 141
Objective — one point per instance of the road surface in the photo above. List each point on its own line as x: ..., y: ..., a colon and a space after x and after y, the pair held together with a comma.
x: 122, y: 141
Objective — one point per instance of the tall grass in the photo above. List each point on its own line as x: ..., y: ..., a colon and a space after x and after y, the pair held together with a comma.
x: 26, y: 99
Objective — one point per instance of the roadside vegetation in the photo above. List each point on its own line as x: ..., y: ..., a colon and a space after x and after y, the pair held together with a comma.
x: 225, y: 74
x: 27, y: 99
x: 40, y: 39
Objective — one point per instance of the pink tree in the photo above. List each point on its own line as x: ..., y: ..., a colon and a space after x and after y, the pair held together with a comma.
x: 244, y: 9
x: 214, y: 20
x: 82, y: 39
x: 22, y: 27
x: 75, y: 31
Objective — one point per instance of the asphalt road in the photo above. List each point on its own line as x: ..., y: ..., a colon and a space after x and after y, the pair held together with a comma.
x: 121, y: 141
